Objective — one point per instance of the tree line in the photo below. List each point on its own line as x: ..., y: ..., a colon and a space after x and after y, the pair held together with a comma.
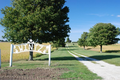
x: 101, y: 34
x: 3, y: 41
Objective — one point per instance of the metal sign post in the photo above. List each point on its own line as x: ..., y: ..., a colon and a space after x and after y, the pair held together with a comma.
x: 11, y: 54
x: 49, y: 55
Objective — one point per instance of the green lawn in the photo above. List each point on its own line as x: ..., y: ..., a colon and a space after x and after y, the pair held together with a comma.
x: 112, y: 58
x: 59, y: 59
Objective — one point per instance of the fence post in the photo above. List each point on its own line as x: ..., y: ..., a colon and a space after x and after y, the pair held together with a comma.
x: 0, y: 58
x: 49, y: 55
x: 11, y: 54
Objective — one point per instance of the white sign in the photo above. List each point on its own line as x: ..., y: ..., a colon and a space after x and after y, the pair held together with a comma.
x: 25, y: 47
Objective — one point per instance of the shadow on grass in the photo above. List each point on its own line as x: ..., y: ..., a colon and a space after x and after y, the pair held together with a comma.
x: 71, y: 46
x: 103, y: 57
x: 98, y: 57
x: 58, y: 58
x: 112, y: 51
x: 88, y: 48
x: 67, y: 49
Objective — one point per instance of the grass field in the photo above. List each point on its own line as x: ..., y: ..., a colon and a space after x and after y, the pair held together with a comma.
x: 62, y: 59
x: 59, y: 59
x: 110, y: 53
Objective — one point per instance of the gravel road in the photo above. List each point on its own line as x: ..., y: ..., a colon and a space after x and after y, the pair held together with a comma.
x: 105, y: 70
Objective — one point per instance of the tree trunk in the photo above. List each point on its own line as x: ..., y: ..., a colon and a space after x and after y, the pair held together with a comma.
x: 31, y: 53
x: 100, y: 48
x: 84, y: 47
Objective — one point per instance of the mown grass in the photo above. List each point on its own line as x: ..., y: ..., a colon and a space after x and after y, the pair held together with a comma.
x: 59, y: 59
x: 110, y: 57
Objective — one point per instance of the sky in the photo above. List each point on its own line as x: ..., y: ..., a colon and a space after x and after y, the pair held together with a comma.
x: 84, y: 14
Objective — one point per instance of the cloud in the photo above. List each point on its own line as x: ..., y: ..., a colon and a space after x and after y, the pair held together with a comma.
x: 97, y: 15
x: 100, y: 15
x: 116, y: 23
x: 79, y: 31
x: 112, y: 15
x: 76, y: 31
x: 118, y: 15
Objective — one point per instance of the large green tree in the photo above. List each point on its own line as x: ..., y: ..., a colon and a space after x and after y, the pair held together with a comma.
x: 39, y: 20
x: 83, y: 40
x: 103, y: 34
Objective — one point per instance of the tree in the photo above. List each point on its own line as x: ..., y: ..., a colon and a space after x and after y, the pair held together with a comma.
x: 59, y: 43
x: 39, y: 20
x: 103, y: 34
x: 83, y: 40
x: 68, y: 40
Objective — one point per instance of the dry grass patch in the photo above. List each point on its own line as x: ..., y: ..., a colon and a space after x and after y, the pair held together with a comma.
x: 105, y: 48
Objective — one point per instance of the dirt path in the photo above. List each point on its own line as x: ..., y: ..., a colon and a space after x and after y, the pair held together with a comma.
x: 32, y: 74
x: 101, y: 68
